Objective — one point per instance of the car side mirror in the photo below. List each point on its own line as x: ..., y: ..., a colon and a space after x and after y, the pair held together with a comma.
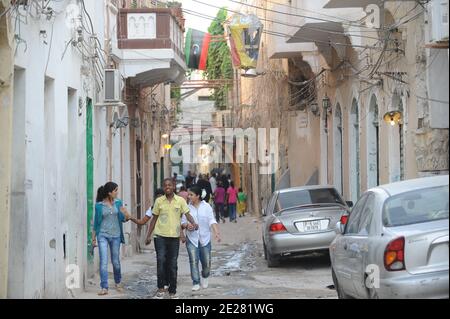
x: 264, y: 212
x: 349, y: 203
x: 340, y: 228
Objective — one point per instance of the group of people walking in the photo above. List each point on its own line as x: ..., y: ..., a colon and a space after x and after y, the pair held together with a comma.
x: 170, y: 216
x: 222, y: 194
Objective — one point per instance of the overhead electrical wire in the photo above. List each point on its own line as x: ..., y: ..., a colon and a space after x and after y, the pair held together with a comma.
x: 285, y: 23
x: 303, y: 9
x: 303, y: 27
x: 284, y: 35
x: 289, y: 14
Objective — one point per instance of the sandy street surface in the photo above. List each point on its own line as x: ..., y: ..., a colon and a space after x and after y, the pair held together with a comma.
x: 239, y: 271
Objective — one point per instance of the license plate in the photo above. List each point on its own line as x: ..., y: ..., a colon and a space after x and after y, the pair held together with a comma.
x: 312, y: 225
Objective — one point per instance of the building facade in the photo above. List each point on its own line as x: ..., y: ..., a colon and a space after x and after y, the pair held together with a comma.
x: 85, y: 100
x: 331, y: 81
x: 6, y: 91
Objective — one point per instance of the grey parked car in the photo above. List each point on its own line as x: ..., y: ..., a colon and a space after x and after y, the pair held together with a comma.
x: 395, y: 243
x: 301, y: 220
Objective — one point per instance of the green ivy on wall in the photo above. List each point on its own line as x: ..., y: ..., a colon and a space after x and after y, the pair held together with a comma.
x: 175, y: 95
x: 219, y: 64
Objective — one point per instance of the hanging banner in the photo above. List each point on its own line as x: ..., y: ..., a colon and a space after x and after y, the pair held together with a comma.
x: 196, y: 49
x: 245, y: 36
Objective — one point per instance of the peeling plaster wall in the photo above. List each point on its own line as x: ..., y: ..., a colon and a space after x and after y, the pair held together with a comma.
x: 49, y: 161
x: 6, y: 89
x: 424, y: 125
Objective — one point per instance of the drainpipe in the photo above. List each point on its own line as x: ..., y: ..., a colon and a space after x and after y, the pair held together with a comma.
x: 89, y: 179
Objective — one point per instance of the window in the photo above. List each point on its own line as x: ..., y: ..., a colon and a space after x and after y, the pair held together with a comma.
x: 271, y: 205
x: 310, y: 197
x: 141, y: 26
x: 419, y: 206
x: 355, y: 216
x: 366, y: 216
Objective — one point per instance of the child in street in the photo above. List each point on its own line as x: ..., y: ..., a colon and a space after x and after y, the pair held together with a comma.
x: 242, y: 203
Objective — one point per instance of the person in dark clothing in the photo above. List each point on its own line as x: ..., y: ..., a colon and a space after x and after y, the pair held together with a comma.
x: 225, y: 182
x: 189, y: 180
x: 206, y: 185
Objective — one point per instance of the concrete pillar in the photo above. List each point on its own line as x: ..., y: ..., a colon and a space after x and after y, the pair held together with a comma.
x: 6, y: 91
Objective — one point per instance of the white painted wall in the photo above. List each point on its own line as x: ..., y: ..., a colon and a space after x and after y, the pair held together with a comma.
x: 49, y: 158
x: 438, y: 79
x: 372, y: 143
x: 354, y: 151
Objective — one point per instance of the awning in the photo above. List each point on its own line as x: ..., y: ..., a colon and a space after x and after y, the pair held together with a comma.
x: 333, y: 4
x: 323, y: 34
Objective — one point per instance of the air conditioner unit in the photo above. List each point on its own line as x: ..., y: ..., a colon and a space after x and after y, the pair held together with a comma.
x: 439, y: 18
x: 112, y: 86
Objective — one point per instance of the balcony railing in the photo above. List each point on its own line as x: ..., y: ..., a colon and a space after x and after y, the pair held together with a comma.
x: 151, y: 28
x: 138, y: 4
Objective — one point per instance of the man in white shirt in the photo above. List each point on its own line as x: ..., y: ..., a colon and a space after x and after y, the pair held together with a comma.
x: 198, y: 242
x: 213, y: 182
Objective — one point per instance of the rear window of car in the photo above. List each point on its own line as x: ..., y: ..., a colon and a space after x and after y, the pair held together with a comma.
x: 306, y: 197
x: 419, y: 206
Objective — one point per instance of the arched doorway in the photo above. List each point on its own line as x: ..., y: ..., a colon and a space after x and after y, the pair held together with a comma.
x: 338, y: 143
x: 354, y: 151
x: 373, y: 149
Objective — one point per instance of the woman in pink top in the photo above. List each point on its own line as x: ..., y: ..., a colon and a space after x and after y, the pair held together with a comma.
x: 232, y: 195
x: 219, y: 201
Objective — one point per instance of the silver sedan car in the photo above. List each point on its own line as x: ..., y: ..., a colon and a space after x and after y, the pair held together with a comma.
x: 395, y: 243
x: 301, y: 220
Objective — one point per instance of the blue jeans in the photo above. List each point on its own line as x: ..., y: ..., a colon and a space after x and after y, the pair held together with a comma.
x: 167, y: 250
x: 196, y: 254
x: 219, y: 211
x: 114, y: 245
x: 232, y: 211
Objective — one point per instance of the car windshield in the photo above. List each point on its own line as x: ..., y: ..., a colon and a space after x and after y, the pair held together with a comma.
x: 419, y: 206
x: 309, y: 197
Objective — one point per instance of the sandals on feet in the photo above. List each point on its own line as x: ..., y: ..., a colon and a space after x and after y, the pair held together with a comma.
x: 103, y: 292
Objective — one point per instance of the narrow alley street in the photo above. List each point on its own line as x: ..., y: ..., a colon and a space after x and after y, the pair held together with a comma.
x: 128, y: 121
x: 239, y: 271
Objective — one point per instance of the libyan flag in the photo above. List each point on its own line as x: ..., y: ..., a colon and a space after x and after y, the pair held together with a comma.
x: 197, y: 45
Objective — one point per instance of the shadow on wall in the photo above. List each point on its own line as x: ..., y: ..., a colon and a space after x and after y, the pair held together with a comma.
x: 285, y: 180
x: 314, y: 179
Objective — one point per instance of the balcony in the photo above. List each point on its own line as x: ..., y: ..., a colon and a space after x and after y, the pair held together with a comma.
x: 277, y: 47
x: 148, y: 45
x: 325, y: 27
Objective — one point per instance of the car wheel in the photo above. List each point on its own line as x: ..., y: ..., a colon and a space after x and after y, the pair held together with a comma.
x: 265, y: 251
x: 340, y: 292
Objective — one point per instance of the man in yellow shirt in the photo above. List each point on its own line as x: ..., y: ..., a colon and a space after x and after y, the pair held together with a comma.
x: 166, y: 227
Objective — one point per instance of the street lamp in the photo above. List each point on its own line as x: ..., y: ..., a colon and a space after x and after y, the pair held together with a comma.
x: 315, y: 108
x: 393, y: 117
x: 326, y: 103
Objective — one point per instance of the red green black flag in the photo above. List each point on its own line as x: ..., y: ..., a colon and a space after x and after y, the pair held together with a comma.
x: 196, y: 49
